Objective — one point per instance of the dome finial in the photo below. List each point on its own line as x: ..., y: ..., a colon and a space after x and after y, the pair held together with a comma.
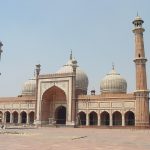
x: 137, y: 14
x: 71, y: 54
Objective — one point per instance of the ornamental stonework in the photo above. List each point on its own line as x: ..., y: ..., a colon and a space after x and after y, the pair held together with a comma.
x: 116, y: 104
x: 104, y: 105
x: 93, y: 105
x: 129, y: 104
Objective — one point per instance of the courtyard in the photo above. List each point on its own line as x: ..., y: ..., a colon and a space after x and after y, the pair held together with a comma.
x: 51, y: 138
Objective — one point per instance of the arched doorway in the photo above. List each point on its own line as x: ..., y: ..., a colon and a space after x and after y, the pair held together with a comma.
x: 60, y: 115
x: 82, y: 118
x: 23, y: 117
x: 93, y: 118
x: 7, y: 116
x: 105, y: 119
x: 117, y: 118
x: 15, y: 117
x: 129, y: 118
x: 1, y: 117
x: 52, y: 97
x: 31, y: 117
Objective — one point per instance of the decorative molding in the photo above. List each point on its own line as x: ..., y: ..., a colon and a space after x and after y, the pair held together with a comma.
x: 116, y: 104
x: 129, y: 104
x: 93, y: 105
x: 104, y: 104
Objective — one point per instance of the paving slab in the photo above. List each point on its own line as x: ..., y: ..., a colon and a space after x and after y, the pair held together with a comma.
x: 74, y: 139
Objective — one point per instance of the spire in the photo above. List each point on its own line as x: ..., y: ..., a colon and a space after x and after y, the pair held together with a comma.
x: 71, y: 54
x: 137, y: 14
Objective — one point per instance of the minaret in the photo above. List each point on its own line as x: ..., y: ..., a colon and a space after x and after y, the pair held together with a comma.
x: 141, y: 93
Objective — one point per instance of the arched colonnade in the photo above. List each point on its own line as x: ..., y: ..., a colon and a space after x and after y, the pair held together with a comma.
x: 106, y: 119
x: 17, y: 117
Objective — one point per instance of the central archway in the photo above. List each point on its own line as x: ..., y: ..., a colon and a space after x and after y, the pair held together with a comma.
x: 60, y: 115
x: 52, y: 98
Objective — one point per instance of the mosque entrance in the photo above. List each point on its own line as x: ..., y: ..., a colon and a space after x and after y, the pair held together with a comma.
x: 52, y: 106
x: 60, y: 115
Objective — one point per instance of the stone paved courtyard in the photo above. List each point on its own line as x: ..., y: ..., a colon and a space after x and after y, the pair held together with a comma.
x: 74, y: 139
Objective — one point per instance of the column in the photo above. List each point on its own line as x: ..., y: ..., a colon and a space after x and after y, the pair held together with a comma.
x: 27, y: 122
x: 123, y: 121
x: 87, y: 119
x: 111, y: 121
x: 19, y: 118
x: 3, y: 118
x: 99, y: 120
x: 11, y: 118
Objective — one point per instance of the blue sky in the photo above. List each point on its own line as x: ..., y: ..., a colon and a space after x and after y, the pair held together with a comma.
x: 43, y: 31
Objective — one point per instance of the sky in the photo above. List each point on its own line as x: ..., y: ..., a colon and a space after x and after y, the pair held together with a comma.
x: 99, y: 32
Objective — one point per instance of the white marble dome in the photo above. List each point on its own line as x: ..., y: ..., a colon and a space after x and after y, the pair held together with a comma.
x: 81, y: 77
x: 29, y: 88
x: 113, y: 83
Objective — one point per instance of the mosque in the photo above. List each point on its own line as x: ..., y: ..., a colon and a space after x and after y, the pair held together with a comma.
x: 61, y: 98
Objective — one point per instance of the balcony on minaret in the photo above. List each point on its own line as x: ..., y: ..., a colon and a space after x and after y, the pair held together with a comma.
x: 138, y: 22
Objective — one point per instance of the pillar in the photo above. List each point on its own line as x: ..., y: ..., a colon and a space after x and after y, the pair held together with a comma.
x: 11, y: 118
x: 3, y: 118
x: 111, y: 121
x: 19, y: 118
x: 27, y: 122
x: 87, y: 119
x: 123, y: 120
x: 99, y: 120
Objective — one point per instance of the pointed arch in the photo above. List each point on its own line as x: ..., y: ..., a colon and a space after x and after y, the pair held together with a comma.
x: 129, y: 118
x: 23, y: 117
x: 60, y: 115
x: 31, y: 117
x: 51, y: 96
x: 15, y: 117
x: 52, y: 91
x: 105, y: 118
x: 7, y: 117
x: 93, y: 118
x: 82, y: 118
x: 117, y: 118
